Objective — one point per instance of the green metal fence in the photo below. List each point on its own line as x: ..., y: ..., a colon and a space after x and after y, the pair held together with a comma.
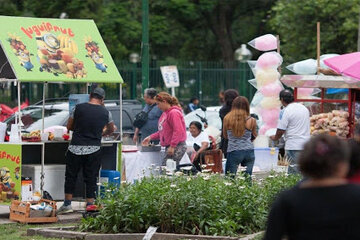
x: 197, y: 79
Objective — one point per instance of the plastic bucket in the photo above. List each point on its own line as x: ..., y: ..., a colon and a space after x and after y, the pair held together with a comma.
x: 261, y: 141
x: 266, y: 159
x: 110, y: 177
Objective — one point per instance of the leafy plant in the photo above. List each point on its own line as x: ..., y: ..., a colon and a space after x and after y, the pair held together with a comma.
x: 205, y: 204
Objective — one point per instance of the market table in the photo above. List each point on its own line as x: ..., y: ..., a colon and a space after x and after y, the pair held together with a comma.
x: 138, y: 165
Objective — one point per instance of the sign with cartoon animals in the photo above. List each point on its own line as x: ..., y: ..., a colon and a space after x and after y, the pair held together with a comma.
x: 10, y: 172
x: 57, y: 50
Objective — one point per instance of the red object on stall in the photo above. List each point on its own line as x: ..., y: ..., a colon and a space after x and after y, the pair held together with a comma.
x: 7, y: 111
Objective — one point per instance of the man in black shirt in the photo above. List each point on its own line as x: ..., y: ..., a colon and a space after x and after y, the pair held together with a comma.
x: 89, y: 122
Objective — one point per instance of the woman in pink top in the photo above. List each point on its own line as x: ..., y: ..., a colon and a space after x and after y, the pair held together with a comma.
x: 171, y: 128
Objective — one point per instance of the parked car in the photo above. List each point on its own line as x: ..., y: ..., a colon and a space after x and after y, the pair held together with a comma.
x: 57, y: 114
x: 213, y: 118
x: 211, y: 114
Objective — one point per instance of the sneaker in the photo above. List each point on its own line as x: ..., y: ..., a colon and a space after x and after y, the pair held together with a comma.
x: 91, y: 208
x: 64, y: 209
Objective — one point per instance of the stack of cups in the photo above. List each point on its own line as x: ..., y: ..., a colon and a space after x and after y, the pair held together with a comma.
x: 14, y: 134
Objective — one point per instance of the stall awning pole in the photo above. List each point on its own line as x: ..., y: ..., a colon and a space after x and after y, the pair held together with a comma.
x: 19, y: 108
x: 43, y: 107
x: 120, y: 122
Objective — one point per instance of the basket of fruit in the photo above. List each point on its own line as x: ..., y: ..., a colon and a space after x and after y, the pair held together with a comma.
x: 33, y: 136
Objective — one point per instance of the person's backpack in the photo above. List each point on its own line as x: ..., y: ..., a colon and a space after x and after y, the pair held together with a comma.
x: 141, y: 118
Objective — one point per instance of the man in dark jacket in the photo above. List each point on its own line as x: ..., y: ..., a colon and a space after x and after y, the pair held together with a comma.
x: 89, y: 122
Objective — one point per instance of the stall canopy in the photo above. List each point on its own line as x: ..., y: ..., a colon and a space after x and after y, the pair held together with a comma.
x: 54, y: 50
x: 320, y: 81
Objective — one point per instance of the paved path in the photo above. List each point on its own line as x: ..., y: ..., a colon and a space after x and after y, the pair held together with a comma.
x: 67, y: 218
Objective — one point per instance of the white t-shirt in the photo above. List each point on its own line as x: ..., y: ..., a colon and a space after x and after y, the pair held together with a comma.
x: 202, y: 137
x: 295, y: 120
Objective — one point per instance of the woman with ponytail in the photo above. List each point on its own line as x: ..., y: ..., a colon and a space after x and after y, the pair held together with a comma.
x: 171, y: 128
x: 240, y: 130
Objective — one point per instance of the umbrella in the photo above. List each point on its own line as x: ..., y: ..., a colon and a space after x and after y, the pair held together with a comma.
x: 346, y: 64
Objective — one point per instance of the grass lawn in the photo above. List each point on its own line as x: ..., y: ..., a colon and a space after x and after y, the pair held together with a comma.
x: 17, y: 231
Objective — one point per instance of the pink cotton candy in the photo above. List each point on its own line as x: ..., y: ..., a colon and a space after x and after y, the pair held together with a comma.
x: 304, y: 92
x: 269, y: 60
x: 271, y: 90
x: 266, y: 42
x: 264, y: 129
x: 270, y: 116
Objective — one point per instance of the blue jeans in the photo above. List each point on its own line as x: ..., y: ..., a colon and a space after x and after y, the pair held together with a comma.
x: 292, y: 157
x: 244, y: 157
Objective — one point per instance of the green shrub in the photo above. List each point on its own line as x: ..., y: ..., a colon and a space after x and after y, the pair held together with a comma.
x: 210, y: 205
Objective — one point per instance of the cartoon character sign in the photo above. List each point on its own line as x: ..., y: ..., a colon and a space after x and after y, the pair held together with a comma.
x: 5, y: 178
x: 56, y: 55
x: 93, y: 51
x: 20, y: 51
x: 7, y: 185
x: 17, y: 172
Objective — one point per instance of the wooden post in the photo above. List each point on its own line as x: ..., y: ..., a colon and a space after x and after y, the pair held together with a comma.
x: 278, y: 50
x: 318, y: 47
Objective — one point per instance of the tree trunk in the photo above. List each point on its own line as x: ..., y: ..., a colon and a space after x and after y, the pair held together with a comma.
x: 220, y: 21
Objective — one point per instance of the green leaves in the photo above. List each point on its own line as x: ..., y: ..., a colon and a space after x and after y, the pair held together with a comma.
x: 295, y: 22
x: 196, y: 205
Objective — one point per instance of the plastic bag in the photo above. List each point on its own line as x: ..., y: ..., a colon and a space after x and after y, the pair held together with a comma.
x: 270, y: 102
x: 269, y: 60
x: 271, y: 90
x: 253, y: 83
x: 324, y: 57
x: 255, y: 102
x: 305, y: 67
x: 252, y: 65
x: 270, y: 115
x: 266, y: 76
x: 264, y: 43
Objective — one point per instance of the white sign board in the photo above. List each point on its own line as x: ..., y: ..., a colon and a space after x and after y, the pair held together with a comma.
x: 170, y: 75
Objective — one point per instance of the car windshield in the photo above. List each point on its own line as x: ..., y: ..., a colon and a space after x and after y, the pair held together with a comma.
x: 31, y: 118
x: 212, y: 117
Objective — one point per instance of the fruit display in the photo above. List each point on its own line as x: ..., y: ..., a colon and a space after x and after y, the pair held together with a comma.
x: 57, y: 55
x: 334, y: 123
x: 33, y: 136
x: 51, y: 136
x: 66, y: 137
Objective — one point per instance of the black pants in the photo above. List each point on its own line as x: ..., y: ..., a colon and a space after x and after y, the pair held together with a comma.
x: 90, y: 165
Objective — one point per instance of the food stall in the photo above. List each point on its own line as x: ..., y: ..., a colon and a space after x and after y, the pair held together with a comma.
x: 49, y: 51
x: 335, y: 114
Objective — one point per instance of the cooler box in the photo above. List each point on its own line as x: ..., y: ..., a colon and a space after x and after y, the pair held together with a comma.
x: 266, y: 159
x: 54, y: 178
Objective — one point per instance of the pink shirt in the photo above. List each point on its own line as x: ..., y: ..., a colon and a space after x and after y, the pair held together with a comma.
x: 171, y: 127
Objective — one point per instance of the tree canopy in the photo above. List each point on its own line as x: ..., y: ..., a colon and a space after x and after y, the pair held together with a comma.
x: 208, y: 30
x: 295, y: 22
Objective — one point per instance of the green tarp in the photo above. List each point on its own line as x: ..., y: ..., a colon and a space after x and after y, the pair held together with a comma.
x: 54, y: 50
